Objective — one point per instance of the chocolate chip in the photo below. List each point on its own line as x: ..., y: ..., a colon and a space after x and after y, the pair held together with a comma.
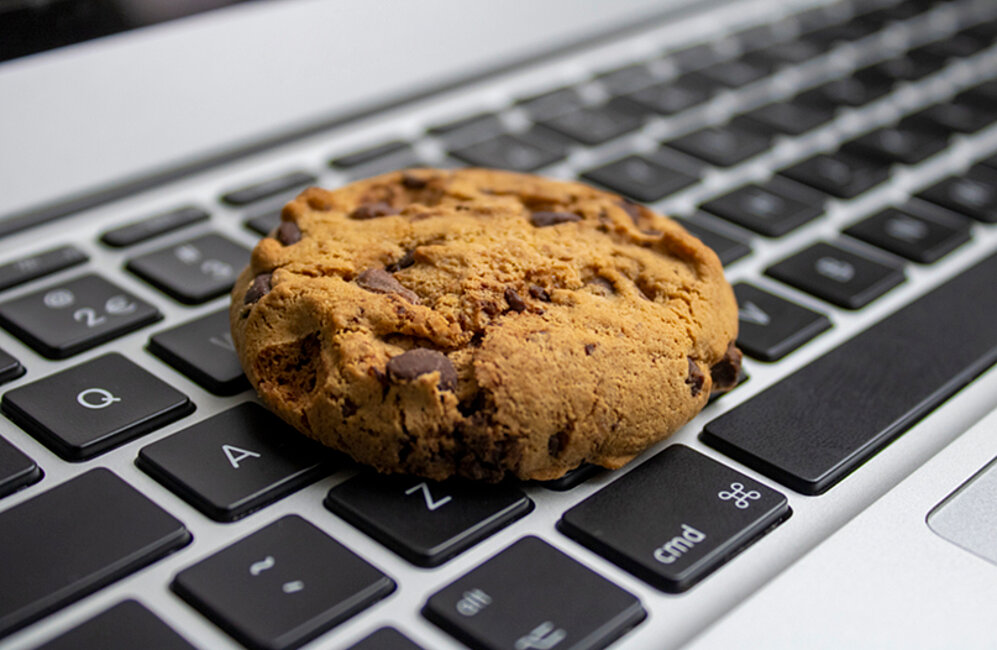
x: 726, y: 372
x: 632, y: 209
x: 380, y: 281
x: 515, y: 302
x: 422, y: 361
x: 696, y: 378
x: 413, y: 182
x: 260, y: 287
x: 557, y: 442
x: 288, y: 233
x: 373, y: 211
x: 542, y: 219
x: 406, y: 260
x: 539, y: 293
x: 589, y: 348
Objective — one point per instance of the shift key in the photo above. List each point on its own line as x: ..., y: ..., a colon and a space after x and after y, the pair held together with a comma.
x: 685, y: 516
x: 811, y: 429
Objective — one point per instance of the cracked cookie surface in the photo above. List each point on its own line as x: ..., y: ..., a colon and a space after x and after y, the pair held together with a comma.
x: 483, y: 324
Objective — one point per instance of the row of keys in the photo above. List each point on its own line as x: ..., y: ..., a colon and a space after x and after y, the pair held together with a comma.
x: 79, y: 314
x: 289, y: 581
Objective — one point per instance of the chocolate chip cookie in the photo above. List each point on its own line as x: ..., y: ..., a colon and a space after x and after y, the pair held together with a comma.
x: 483, y: 324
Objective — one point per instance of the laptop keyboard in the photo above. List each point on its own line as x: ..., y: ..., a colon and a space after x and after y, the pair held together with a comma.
x: 767, y: 144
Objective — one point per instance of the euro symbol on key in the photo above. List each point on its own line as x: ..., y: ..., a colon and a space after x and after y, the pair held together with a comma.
x: 96, y: 398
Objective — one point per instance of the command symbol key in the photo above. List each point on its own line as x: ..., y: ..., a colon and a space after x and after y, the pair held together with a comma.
x: 686, y: 515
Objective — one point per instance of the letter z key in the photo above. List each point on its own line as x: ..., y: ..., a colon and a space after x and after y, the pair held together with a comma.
x: 686, y: 515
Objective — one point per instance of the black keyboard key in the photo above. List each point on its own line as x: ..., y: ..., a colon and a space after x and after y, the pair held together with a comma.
x: 16, y: 469
x: 76, y: 315
x: 724, y: 146
x: 902, y: 143
x: 572, y: 478
x: 984, y: 94
x: 74, y: 539
x: 88, y: 409
x: 426, y: 522
x: 919, y: 231
x: 973, y: 194
x: 695, y: 57
x: 810, y: 444
x: 282, y: 586
x: 10, y: 368
x: 154, y: 226
x: 770, y: 327
x: 686, y: 515
x: 549, y: 104
x: 727, y: 249
x: 734, y: 73
x: 203, y: 350
x: 266, y: 189
x: 532, y: 596
x: 370, y: 154
x: 789, y: 117
x: 386, y: 638
x: 626, y: 79
x: 957, y: 46
x: 961, y: 115
x: 672, y: 97
x: 126, y: 625
x: 834, y: 35
x: 791, y: 52
x: 265, y: 222
x: 863, y: 87
x: 479, y: 126
x: 597, y: 124
x: 193, y: 271
x: 640, y: 178
x: 236, y: 462
x: 507, y: 152
x: 838, y: 276
x: 912, y: 66
x: 840, y: 174
x: 39, y: 265
x: 773, y: 209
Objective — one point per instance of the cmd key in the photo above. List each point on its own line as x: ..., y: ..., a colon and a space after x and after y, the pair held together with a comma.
x: 58, y: 547
x: 816, y: 426
x: 532, y: 596
x: 686, y: 515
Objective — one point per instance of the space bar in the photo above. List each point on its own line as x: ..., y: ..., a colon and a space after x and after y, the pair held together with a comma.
x: 814, y: 427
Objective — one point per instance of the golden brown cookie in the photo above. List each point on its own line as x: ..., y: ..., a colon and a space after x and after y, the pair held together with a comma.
x: 483, y: 323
